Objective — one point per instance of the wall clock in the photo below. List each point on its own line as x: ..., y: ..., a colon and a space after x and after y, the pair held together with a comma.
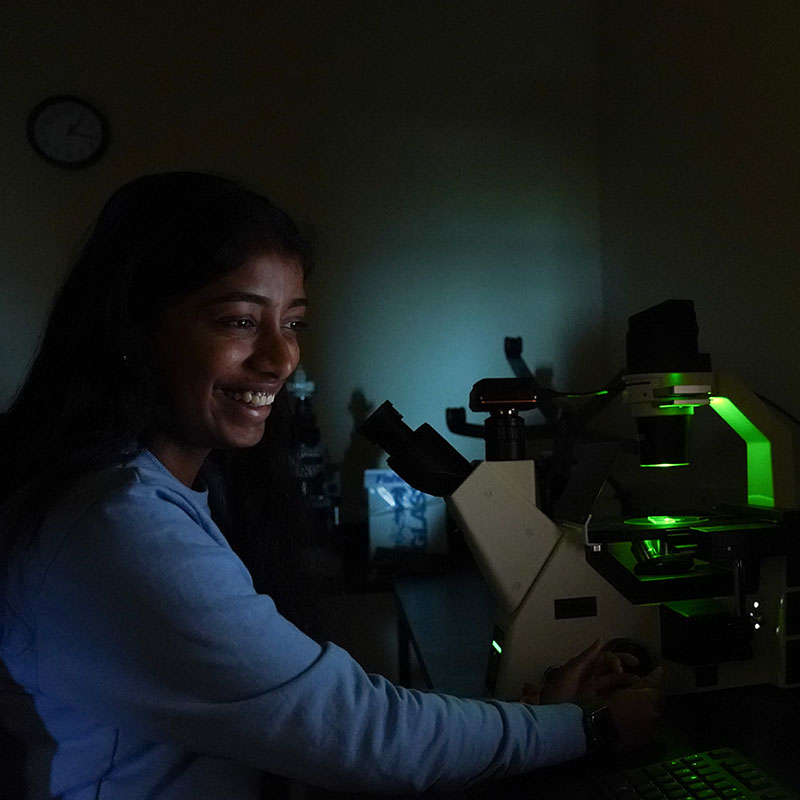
x: 67, y: 131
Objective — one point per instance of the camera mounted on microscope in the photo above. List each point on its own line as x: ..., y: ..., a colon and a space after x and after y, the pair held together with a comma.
x: 666, y: 378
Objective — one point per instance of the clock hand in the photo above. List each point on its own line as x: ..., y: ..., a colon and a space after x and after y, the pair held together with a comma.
x: 75, y: 125
x: 72, y: 130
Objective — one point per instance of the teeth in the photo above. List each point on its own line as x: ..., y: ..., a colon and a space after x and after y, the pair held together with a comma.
x: 255, y: 399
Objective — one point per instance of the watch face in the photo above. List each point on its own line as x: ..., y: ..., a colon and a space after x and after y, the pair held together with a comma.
x: 603, y: 728
x: 67, y: 131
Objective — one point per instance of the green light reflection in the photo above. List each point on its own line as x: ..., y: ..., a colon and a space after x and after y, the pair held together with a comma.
x: 664, y: 521
x: 760, y: 488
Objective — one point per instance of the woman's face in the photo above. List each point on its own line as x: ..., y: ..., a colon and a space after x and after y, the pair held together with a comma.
x: 223, y: 352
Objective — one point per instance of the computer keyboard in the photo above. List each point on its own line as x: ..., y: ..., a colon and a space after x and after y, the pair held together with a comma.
x: 721, y: 774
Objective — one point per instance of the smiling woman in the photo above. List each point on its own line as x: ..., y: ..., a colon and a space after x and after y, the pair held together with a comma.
x: 223, y: 353
x: 147, y: 520
x: 161, y: 244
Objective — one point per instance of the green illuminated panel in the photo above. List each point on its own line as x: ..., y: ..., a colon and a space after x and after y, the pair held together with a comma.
x: 663, y: 521
x: 760, y: 489
x: 668, y: 464
x: 676, y: 409
x: 496, y: 646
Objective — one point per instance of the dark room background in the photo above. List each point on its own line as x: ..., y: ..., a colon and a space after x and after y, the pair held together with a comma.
x: 468, y: 170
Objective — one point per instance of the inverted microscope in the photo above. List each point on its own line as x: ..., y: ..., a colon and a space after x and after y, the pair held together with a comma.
x: 712, y: 596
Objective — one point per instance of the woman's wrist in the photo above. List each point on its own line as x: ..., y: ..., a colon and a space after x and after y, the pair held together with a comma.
x: 599, y: 728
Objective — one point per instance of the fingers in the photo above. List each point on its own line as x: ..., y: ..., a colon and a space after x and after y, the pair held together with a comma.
x: 596, y: 671
x: 629, y: 660
x: 616, y: 664
x: 592, y: 652
x: 612, y: 662
x: 613, y: 681
x: 651, y: 680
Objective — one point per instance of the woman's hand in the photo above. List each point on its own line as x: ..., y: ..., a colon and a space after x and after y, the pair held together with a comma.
x: 593, y: 672
x: 635, y: 710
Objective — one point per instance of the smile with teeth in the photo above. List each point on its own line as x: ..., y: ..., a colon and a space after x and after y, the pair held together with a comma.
x: 255, y: 399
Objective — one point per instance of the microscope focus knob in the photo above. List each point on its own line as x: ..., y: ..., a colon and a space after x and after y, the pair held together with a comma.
x: 634, y: 648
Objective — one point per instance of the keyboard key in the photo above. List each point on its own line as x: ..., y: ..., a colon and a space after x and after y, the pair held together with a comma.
x: 719, y: 774
x: 721, y: 752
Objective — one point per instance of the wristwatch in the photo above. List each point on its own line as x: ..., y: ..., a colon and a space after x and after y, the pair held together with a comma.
x: 601, y: 732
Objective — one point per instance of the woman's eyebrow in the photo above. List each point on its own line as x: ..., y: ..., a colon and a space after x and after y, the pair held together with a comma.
x: 250, y: 297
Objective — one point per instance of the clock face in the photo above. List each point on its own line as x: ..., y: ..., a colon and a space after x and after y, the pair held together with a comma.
x: 67, y: 131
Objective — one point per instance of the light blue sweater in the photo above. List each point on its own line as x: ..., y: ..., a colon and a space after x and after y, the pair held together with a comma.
x: 160, y: 673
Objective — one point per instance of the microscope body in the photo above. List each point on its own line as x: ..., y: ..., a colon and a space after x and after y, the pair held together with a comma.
x: 552, y: 602
x: 724, y: 612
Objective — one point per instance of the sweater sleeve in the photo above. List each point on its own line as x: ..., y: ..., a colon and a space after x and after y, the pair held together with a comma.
x: 147, y: 620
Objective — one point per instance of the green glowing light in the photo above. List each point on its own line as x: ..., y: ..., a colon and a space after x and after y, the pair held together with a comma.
x: 664, y: 521
x: 598, y: 393
x: 674, y: 409
x: 667, y: 464
x: 760, y: 488
x: 497, y: 646
x: 652, y: 547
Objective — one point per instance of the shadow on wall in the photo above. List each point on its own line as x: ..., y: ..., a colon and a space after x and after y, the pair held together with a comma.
x: 361, y: 455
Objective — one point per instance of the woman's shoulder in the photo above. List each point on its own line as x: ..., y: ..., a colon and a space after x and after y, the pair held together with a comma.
x: 134, y: 479
x: 144, y: 475
x: 136, y: 493
x: 129, y: 522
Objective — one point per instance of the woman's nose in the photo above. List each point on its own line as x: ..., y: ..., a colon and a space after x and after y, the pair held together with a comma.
x: 275, y: 354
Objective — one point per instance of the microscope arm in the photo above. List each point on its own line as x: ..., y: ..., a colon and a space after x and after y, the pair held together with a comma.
x: 509, y: 536
x: 770, y: 447
x: 769, y: 443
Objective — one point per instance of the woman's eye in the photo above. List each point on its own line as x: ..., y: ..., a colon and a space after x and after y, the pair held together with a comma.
x: 296, y: 325
x: 238, y: 324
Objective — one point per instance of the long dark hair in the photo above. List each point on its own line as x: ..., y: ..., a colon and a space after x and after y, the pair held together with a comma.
x: 91, y: 397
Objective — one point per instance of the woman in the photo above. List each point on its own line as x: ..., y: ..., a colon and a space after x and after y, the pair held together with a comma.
x: 146, y: 506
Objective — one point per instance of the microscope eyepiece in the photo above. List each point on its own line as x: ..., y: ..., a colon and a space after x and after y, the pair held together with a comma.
x: 422, y: 458
x: 385, y: 427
